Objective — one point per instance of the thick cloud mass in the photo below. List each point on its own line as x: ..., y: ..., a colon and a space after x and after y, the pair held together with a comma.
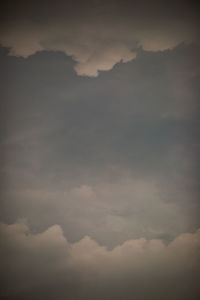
x: 99, y: 170
x: 47, y: 265
x: 113, y: 157
x: 98, y: 34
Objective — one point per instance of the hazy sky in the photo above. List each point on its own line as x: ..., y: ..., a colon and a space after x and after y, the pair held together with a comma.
x: 99, y: 150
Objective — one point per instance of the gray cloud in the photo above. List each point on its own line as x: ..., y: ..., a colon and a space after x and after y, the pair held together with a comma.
x: 111, y: 159
x: 109, y: 212
x: 128, y: 138
x: 98, y: 35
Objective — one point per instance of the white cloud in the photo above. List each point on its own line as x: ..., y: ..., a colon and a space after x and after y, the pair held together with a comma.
x: 48, y: 257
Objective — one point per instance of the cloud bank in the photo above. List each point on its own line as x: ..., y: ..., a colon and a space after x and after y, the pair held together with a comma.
x: 98, y: 34
x: 114, y: 157
x: 112, y: 160
x: 46, y: 264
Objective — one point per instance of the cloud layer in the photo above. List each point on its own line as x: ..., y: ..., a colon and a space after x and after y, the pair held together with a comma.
x: 113, y: 157
x: 99, y: 170
x: 98, y: 34
x: 47, y: 265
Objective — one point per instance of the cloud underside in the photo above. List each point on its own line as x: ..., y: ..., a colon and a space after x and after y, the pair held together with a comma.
x: 98, y: 37
x: 46, y: 264
x: 92, y: 52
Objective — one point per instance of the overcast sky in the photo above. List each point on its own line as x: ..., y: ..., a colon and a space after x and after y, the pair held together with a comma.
x: 99, y: 150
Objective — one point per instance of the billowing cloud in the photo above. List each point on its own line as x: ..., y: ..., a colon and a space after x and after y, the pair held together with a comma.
x: 37, y: 261
x: 98, y: 35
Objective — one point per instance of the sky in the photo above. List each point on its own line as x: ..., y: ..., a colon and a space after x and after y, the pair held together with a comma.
x: 99, y: 150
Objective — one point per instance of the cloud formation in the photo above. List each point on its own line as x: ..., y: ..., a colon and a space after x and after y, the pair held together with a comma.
x: 113, y: 157
x: 97, y: 34
x: 112, y: 160
x: 33, y: 262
